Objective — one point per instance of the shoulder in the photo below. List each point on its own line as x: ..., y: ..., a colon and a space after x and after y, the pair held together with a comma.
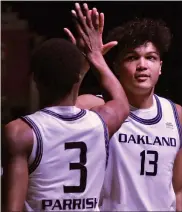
x: 178, y: 107
x: 179, y: 111
x: 88, y: 101
x: 17, y: 137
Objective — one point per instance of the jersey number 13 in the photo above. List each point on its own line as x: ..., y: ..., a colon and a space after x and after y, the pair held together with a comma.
x: 151, y: 162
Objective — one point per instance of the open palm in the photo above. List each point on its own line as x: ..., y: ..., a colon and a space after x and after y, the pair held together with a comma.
x: 79, y: 42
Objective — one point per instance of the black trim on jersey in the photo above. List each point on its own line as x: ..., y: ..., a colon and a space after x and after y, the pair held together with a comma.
x: 106, y: 136
x: 66, y: 118
x: 177, y: 121
x: 154, y: 120
x: 39, y: 150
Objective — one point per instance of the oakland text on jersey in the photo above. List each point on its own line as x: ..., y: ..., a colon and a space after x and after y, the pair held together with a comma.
x: 69, y: 204
x: 145, y: 139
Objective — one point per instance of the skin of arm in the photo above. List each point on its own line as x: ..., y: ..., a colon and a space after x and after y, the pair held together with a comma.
x: 88, y: 101
x: 17, y: 146
x: 116, y: 108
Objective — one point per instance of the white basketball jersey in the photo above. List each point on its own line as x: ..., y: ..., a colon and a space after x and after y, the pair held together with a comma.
x: 68, y: 160
x: 141, y: 158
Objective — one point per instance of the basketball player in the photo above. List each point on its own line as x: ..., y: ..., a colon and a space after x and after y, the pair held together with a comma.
x: 56, y: 157
x: 143, y: 151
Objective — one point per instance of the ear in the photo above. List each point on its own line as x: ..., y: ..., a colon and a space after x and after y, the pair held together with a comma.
x: 160, y: 67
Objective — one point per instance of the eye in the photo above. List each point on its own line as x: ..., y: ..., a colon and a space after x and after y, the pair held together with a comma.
x: 131, y: 58
x: 151, y: 58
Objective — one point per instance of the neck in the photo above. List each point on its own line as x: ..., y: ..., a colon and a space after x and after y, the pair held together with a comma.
x: 68, y: 100
x: 140, y: 101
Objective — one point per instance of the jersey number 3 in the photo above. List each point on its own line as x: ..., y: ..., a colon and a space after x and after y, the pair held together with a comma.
x: 78, y: 166
x: 151, y: 162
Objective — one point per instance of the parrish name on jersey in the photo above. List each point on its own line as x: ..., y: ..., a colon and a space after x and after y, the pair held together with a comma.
x: 145, y: 139
x: 69, y: 204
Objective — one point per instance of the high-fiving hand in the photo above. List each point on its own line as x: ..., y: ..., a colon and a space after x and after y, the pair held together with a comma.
x: 100, y: 24
x: 88, y: 29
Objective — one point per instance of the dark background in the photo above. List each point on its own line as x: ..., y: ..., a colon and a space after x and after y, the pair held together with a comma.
x: 49, y: 19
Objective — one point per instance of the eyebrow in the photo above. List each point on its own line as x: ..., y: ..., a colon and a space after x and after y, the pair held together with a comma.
x: 153, y: 53
x: 134, y: 52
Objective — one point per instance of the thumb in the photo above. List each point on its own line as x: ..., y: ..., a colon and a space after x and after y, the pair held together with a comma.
x: 106, y: 47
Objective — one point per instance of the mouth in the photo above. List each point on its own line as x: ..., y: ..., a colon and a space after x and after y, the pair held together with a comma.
x: 141, y: 77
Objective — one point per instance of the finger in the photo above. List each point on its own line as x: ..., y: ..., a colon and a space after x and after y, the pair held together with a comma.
x: 80, y: 16
x: 106, y: 47
x: 95, y: 18
x: 78, y: 26
x: 101, y: 23
x: 73, y: 12
x: 75, y: 20
x: 79, y: 29
x: 88, y: 15
x: 70, y: 35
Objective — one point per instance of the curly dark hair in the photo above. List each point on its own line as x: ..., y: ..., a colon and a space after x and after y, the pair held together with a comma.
x: 138, y: 32
x: 56, y: 65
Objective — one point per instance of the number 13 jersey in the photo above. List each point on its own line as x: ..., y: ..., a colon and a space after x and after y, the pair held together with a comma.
x: 68, y: 160
x: 142, y: 154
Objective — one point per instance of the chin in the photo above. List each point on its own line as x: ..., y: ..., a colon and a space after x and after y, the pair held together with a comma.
x: 141, y: 89
x: 143, y: 85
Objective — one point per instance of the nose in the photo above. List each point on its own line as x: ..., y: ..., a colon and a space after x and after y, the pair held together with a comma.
x: 142, y: 64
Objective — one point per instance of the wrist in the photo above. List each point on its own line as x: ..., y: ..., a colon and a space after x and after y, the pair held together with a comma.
x: 94, y: 56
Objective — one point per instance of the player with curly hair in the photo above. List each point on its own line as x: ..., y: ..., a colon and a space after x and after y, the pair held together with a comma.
x: 142, y: 173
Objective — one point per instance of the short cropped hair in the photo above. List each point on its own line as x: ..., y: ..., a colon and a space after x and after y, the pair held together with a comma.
x: 137, y: 32
x: 56, y: 65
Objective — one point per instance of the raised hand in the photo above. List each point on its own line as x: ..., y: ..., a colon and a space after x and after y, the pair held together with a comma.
x: 88, y: 29
x: 79, y: 42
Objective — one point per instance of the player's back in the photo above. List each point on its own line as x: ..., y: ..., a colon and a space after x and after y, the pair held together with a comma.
x: 141, y: 159
x: 68, y: 160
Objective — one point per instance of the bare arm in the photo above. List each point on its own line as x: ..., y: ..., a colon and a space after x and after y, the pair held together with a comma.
x: 88, y: 101
x: 17, y: 145
x: 177, y: 170
x: 116, y: 109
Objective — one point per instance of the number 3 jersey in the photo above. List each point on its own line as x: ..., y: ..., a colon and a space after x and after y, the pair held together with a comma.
x: 68, y: 160
x: 142, y: 154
